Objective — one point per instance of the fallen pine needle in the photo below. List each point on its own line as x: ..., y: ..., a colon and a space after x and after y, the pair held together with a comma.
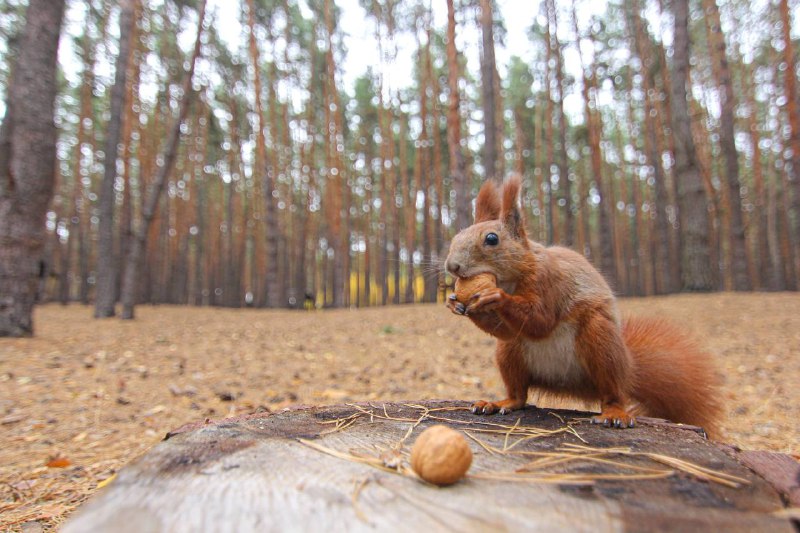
x: 106, y: 481
x: 371, y: 461
x: 359, y: 486
x: 481, y: 443
x: 698, y: 471
x: 533, y: 471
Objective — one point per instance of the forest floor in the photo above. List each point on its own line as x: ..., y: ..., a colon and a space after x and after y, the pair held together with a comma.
x: 84, y: 397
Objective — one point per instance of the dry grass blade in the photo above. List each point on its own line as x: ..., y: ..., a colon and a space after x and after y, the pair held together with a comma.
x: 792, y: 513
x: 510, y: 476
x: 699, y: 471
x: 359, y: 486
x: 555, y: 459
x: 341, y: 424
x: 413, y: 427
x: 490, y: 449
x: 370, y: 461
x: 568, y: 446
x: 508, y: 433
x: 341, y: 420
x: 384, y: 416
x: 435, y: 409
x: 566, y: 454
x: 572, y: 430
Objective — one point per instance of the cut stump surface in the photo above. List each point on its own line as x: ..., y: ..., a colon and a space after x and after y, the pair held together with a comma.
x: 345, y: 468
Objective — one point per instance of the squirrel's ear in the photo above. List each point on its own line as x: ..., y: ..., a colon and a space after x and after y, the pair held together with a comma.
x: 510, y: 213
x: 487, y: 205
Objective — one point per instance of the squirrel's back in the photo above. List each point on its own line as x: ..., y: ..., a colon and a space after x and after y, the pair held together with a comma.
x: 581, y: 283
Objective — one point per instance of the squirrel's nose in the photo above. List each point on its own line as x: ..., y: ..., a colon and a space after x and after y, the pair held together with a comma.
x: 452, y: 266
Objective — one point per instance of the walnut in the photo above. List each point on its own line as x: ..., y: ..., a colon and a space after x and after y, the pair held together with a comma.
x: 467, y: 287
x: 441, y: 455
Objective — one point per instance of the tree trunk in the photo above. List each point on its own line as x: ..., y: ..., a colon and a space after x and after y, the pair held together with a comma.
x: 488, y: 68
x: 594, y: 127
x: 397, y: 179
x: 27, y: 165
x: 662, y: 245
x: 106, y: 287
x: 80, y: 208
x: 274, y: 282
x: 458, y: 173
x: 409, y: 206
x: 385, y: 191
x: 130, y: 122
x: 777, y: 280
x: 762, y: 265
x: 138, y: 243
x: 636, y: 276
x: 549, y: 139
x: 568, y: 235
x: 426, y: 171
x: 337, y: 209
x: 792, y: 96
x: 736, y: 246
x: 697, y: 272
x: 436, y: 272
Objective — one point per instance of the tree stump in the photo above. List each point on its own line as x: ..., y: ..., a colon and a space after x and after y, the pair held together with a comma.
x: 345, y: 468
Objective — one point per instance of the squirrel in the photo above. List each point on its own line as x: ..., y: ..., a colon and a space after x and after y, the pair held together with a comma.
x: 559, y: 331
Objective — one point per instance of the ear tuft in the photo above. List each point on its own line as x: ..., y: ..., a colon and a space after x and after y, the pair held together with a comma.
x: 487, y: 205
x: 510, y: 213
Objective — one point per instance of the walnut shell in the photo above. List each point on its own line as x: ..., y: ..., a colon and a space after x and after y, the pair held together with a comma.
x: 466, y: 287
x: 441, y: 455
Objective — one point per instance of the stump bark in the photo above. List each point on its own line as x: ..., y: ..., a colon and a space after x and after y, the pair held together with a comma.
x: 268, y: 472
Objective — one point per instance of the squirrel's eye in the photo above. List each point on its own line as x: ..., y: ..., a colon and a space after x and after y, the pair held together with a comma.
x: 491, y: 239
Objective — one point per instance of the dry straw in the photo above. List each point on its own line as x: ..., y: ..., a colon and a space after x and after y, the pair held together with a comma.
x: 539, y: 468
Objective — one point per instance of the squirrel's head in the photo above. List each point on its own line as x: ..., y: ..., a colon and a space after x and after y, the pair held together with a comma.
x: 496, y: 242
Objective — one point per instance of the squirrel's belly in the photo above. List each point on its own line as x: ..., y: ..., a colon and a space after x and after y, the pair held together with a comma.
x: 552, y: 361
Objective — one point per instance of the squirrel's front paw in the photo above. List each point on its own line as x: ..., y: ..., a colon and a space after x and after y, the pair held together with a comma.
x: 485, y: 301
x: 503, y: 407
x: 455, y: 306
x: 615, y: 417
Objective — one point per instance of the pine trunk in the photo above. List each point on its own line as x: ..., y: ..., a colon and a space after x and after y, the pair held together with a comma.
x: 136, y: 254
x: 549, y: 140
x: 792, y: 96
x: 662, y: 245
x: 337, y: 208
x: 763, y: 266
x: 458, y: 173
x: 27, y: 165
x: 736, y: 245
x: 568, y: 235
x: 106, y: 287
x: 488, y: 68
x: 409, y: 206
x: 594, y: 127
x: 697, y: 271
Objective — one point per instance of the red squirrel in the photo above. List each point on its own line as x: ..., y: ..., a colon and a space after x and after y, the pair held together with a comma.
x: 559, y: 331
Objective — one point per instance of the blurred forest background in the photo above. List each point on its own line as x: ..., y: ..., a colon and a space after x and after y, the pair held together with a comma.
x: 660, y: 138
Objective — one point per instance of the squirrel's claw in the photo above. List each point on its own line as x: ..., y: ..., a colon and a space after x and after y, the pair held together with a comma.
x: 621, y: 421
x: 455, y: 306
x: 485, y: 300
x: 502, y: 407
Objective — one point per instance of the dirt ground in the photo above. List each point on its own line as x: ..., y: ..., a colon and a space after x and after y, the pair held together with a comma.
x: 84, y: 397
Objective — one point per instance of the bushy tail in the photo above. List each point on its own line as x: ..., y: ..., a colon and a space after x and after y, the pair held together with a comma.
x: 674, y: 378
